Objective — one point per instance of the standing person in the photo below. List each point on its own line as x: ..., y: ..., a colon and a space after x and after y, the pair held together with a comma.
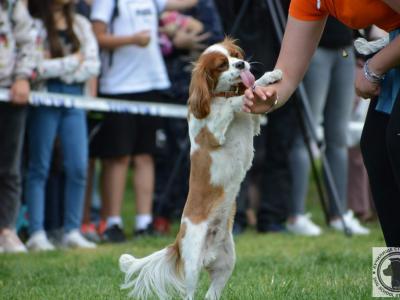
x: 67, y: 58
x: 133, y: 69
x: 16, y: 68
x: 380, y: 143
x: 329, y: 83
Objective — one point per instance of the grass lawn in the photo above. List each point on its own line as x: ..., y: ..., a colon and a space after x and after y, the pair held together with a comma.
x: 271, y: 266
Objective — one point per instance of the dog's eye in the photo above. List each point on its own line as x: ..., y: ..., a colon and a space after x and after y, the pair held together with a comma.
x: 223, y: 65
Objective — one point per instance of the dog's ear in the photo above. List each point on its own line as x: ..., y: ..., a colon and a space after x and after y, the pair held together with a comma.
x: 200, y: 92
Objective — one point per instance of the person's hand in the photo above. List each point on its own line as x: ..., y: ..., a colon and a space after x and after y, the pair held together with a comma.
x: 365, y: 88
x: 19, y: 92
x: 260, y: 99
x: 142, y: 38
x: 79, y: 56
x: 184, y: 39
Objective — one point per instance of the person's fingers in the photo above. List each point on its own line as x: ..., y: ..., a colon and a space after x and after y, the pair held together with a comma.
x: 248, y: 94
x: 248, y: 103
x: 202, y: 37
x: 260, y: 93
x: 199, y: 46
x: 246, y: 109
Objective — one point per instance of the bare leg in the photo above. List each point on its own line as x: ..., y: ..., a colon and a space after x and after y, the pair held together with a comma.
x: 113, y: 182
x: 88, y: 191
x: 143, y: 183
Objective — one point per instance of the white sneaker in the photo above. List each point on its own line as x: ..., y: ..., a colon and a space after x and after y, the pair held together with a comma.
x: 10, y: 242
x: 303, y: 226
x: 351, y: 222
x: 74, y: 239
x: 39, y: 242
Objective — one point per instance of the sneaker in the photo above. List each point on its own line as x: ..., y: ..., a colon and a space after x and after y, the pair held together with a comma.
x: 89, y: 232
x: 304, y: 226
x: 148, y: 231
x: 101, y: 227
x: 114, y: 234
x: 161, y: 225
x: 271, y: 228
x: 351, y: 222
x: 39, y: 242
x: 10, y: 243
x: 74, y: 239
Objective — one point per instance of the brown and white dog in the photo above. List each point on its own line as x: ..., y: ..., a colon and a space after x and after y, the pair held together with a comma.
x: 221, y: 137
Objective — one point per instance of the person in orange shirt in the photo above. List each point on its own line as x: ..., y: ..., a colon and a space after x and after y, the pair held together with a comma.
x: 378, y: 80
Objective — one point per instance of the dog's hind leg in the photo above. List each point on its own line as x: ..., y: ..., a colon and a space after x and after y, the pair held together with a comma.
x: 192, y: 251
x: 221, y: 268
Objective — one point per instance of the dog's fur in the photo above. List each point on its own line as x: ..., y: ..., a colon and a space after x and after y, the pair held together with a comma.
x: 221, y: 137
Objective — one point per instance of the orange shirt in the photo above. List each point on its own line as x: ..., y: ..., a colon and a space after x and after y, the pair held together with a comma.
x: 356, y: 14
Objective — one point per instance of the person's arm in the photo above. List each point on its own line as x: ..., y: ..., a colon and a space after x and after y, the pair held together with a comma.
x: 25, y: 62
x: 90, y: 65
x: 107, y: 40
x: 298, y: 46
x: 179, y: 4
x: 382, y: 62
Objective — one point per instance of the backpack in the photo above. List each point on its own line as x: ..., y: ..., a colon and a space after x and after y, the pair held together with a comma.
x: 114, y: 15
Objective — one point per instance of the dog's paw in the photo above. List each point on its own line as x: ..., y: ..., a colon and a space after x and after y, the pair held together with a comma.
x: 366, y: 48
x: 270, y: 77
x: 125, y: 261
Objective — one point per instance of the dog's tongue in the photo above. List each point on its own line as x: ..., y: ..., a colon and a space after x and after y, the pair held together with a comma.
x: 247, y: 78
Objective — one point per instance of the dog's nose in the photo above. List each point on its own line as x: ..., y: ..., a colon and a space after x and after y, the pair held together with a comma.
x: 239, y: 65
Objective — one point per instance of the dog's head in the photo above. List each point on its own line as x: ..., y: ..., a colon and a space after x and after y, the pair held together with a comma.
x: 220, y: 68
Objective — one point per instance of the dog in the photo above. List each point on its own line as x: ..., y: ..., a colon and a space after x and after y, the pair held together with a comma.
x: 221, y: 137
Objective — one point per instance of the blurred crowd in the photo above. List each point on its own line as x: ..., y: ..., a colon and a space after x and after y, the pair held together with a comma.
x: 63, y: 171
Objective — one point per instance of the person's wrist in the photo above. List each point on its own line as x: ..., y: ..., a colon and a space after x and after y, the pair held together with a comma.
x: 374, y: 67
x: 370, y: 74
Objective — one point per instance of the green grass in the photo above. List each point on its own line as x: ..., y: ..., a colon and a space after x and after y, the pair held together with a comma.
x: 271, y: 266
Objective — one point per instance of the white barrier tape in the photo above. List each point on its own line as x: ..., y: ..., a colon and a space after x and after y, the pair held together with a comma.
x: 102, y: 104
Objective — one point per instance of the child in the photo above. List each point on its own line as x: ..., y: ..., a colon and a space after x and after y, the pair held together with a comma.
x: 67, y: 58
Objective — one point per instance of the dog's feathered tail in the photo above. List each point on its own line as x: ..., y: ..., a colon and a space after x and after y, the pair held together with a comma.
x: 159, y: 274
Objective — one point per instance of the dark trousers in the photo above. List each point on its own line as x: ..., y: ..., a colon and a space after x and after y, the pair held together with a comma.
x: 380, y: 145
x: 172, y: 159
x: 276, y: 180
x: 12, y: 128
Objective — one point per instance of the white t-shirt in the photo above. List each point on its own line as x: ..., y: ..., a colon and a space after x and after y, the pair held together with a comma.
x: 133, y: 69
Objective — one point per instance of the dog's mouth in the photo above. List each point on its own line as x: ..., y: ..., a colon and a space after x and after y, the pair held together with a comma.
x: 247, y: 78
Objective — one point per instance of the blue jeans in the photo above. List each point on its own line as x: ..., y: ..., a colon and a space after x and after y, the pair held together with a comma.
x: 329, y: 83
x: 44, y: 124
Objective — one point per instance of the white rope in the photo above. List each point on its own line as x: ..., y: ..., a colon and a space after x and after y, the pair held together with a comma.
x: 102, y: 104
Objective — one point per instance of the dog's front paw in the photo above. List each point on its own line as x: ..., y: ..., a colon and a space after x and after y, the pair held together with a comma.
x: 366, y: 48
x: 270, y: 77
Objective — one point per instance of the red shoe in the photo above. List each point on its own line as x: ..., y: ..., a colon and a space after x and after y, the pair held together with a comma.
x: 101, y: 227
x: 89, y: 232
x: 161, y: 225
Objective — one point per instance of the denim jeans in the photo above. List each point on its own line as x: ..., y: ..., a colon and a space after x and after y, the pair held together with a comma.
x: 44, y: 124
x: 329, y: 83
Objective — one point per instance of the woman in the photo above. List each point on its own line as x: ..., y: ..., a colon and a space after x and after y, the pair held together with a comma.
x: 67, y: 58
x: 380, y: 143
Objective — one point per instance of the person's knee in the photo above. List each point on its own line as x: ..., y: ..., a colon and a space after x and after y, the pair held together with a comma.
x: 38, y: 172
x: 77, y: 170
x: 143, y: 160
